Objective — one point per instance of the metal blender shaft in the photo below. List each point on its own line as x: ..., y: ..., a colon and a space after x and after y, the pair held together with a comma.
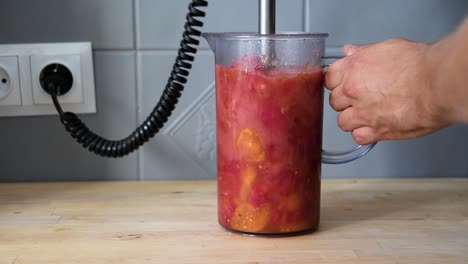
x: 267, y: 25
x: 267, y: 16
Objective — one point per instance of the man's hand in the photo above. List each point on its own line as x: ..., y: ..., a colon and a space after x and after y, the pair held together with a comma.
x: 384, y: 91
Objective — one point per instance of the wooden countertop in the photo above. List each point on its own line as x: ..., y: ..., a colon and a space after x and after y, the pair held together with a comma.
x: 363, y: 221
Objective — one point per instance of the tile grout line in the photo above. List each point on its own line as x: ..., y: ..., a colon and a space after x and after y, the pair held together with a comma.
x: 112, y: 49
x: 135, y: 24
x: 139, y: 103
x: 305, y: 19
x: 138, y: 90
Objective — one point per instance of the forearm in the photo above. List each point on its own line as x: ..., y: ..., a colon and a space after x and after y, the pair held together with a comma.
x: 447, y: 61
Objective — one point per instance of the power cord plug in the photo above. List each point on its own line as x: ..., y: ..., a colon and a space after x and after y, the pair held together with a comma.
x: 58, y: 76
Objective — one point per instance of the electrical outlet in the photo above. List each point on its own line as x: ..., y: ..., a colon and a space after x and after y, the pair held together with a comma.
x: 72, y: 62
x: 22, y: 94
x: 9, y: 81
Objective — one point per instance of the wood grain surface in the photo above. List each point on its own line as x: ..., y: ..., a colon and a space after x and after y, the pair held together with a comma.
x: 363, y: 221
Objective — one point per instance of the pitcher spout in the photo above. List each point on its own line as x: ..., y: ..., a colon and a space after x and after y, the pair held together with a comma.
x: 211, y: 39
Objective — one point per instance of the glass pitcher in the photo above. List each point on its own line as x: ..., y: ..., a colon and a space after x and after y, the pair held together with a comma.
x: 269, y: 113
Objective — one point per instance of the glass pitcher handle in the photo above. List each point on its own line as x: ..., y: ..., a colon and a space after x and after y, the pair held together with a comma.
x: 340, y: 157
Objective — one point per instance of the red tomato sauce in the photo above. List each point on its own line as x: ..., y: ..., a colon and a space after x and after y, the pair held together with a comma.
x: 269, y: 134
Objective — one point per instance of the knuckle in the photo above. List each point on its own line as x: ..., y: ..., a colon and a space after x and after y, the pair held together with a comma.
x: 355, y: 62
x: 351, y: 89
x: 327, y: 81
x: 332, y: 78
x: 364, y: 136
x: 333, y: 67
x: 341, y: 121
x: 359, y: 137
x: 394, y: 41
x: 366, y: 116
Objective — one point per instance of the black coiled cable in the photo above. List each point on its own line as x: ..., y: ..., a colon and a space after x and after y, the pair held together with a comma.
x: 160, y: 114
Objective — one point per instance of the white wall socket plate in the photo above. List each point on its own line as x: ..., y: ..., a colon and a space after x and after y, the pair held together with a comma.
x: 9, y: 81
x: 25, y: 95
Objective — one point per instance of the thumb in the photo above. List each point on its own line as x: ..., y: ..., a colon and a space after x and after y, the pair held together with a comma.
x: 349, y: 49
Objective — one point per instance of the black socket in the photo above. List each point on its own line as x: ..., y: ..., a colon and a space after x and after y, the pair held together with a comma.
x: 56, y: 76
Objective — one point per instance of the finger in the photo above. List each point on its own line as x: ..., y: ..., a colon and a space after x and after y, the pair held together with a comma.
x: 349, y: 120
x: 365, y: 135
x: 349, y: 49
x: 338, y: 101
x: 335, y: 73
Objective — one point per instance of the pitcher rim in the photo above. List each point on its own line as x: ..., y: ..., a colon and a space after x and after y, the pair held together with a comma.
x: 252, y: 35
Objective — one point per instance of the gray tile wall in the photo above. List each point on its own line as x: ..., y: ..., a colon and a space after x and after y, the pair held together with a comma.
x: 135, y: 43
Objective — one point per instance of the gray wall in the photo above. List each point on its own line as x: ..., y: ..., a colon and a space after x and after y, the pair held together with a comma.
x: 135, y: 43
